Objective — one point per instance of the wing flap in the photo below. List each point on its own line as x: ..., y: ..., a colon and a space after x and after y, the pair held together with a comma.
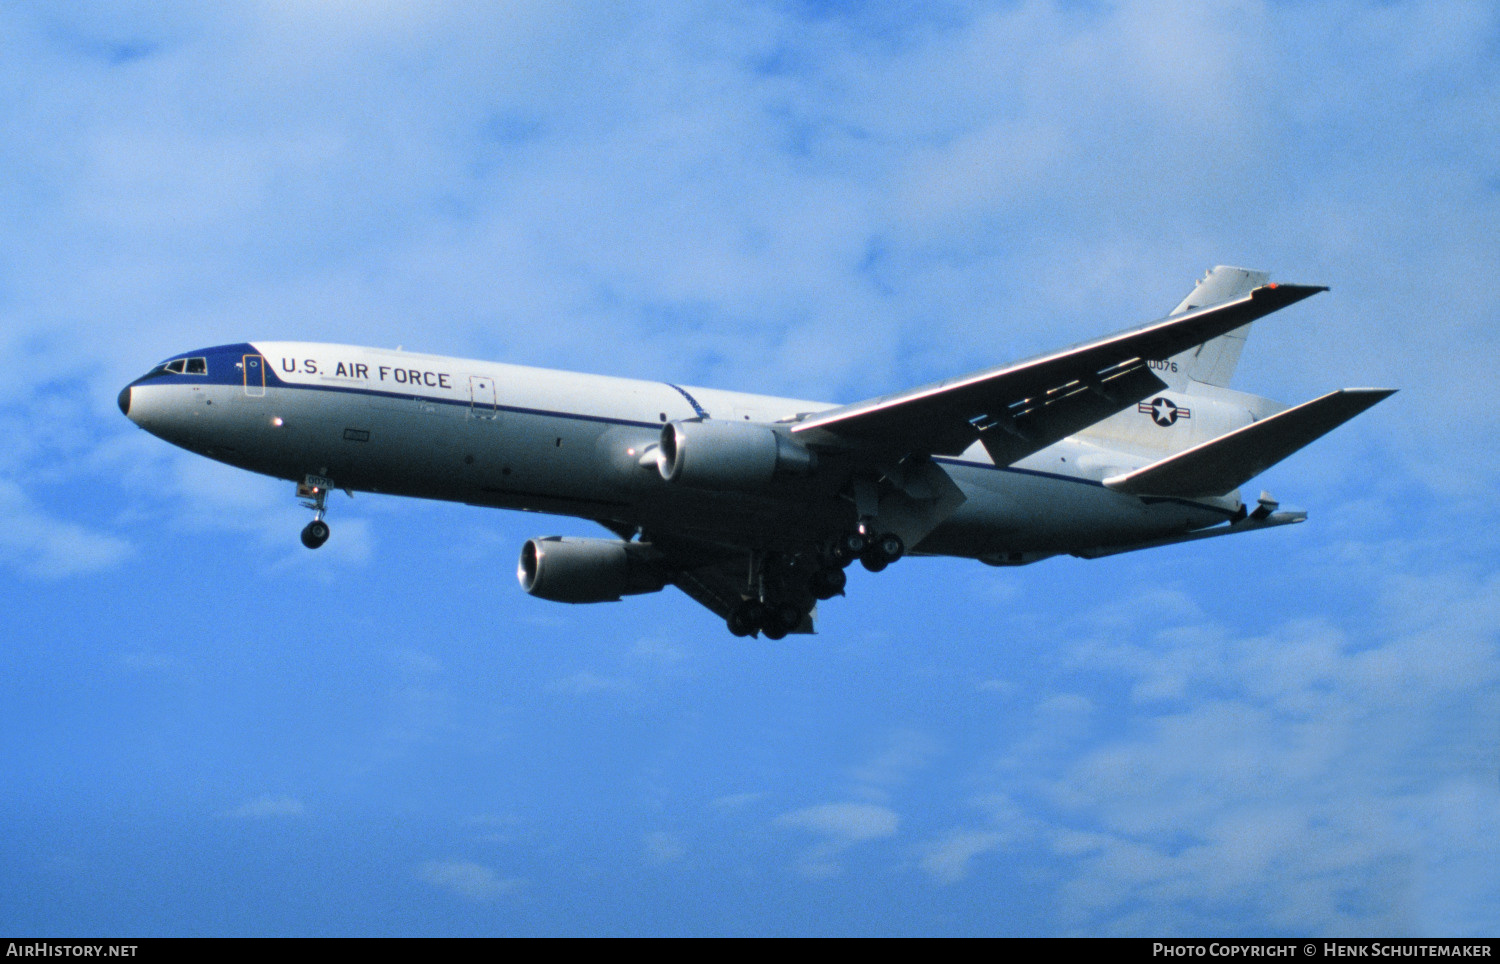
x: 944, y: 418
x: 710, y: 588
x: 1223, y: 464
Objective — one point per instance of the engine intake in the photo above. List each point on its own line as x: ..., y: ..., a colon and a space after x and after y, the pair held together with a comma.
x: 575, y: 570
x: 744, y: 456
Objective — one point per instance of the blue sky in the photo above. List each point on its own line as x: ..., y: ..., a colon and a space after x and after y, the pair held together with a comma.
x: 210, y: 730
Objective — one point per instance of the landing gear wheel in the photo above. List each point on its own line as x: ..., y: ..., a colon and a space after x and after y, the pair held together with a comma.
x: 891, y: 546
x: 785, y: 568
x: 781, y: 618
x: 873, y: 559
x: 315, y: 533
x: 746, y: 618
x: 829, y: 582
x: 774, y: 627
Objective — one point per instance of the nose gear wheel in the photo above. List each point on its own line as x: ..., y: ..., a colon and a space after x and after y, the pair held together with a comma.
x: 314, y: 496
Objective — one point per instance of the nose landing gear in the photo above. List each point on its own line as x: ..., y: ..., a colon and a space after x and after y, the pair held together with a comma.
x: 314, y: 495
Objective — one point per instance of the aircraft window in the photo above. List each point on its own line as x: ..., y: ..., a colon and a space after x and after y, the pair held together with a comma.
x: 182, y: 366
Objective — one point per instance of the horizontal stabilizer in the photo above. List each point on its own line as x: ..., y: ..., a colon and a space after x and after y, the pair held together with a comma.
x: 1223, y: 464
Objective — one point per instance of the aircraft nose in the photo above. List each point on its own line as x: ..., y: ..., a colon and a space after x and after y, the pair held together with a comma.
x: 124, y: 401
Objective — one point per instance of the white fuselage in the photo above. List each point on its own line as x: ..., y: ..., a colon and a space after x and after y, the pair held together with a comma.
x: 581, y: 445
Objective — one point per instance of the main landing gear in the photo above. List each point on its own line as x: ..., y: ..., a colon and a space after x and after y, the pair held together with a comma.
x: 314, y: 496
x: 873, y: 552
x: 786, y: 586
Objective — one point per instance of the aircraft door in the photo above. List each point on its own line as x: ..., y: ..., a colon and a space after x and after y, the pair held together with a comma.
x: 255, y: 375
x: 481, y: 396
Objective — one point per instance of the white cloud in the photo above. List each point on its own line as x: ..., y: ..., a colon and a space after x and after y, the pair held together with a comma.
x: 663, y: 848
x: 717, y: 214
x: 1455, y: 888
x: 842, y: 826
x: 948, y: 859
x: 466, y: 879
x: 845, y: 822
x: 906, y: 752
x: 36, y: 543
x: 1279, y: 777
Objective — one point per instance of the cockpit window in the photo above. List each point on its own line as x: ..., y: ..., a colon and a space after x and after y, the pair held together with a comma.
x: 181, y: 366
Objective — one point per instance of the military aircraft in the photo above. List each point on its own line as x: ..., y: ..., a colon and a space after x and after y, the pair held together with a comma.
x: 754, y: 505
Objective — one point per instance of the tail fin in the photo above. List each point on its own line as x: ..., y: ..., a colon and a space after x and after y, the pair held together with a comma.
x: 1213, y: 362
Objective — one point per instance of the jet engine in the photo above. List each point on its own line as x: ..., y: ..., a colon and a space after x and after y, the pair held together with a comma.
x: 744, y: 456
x: 574, y: 570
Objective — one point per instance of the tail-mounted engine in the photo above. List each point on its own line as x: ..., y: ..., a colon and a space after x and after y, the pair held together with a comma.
x: 575, y: 570
x: 742, y: 456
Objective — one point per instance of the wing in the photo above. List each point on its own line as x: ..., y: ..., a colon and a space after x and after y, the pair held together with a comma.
x: 1022, y: 408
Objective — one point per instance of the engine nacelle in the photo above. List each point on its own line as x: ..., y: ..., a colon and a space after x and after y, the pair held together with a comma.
x: 574, y: 570
x: 743, y: 456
